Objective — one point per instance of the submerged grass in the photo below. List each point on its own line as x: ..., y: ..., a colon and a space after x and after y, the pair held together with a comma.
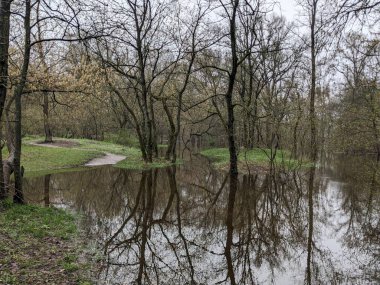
x: 137, y: 163
x: 39, y: 246
x: 256, y: 157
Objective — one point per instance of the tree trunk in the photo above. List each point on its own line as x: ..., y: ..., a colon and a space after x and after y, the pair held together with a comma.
x: 295, y: 130
x: 47, y: 190
x: 154, y: 129
x: 313, y: 143
x: 8, y: 164
x: 147, y: 128
x: 5, y: 6
x: 310, y: 227
x: 48, y: 132
x: 233, y: 171
x: 313, y: 128
x: 3, y: 192
x: 19, y: 197
x: 172, y: 136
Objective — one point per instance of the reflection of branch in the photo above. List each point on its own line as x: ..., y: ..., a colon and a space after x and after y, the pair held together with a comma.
x: 173, y: 186
x: 220, y: 190
x: 137, y: 202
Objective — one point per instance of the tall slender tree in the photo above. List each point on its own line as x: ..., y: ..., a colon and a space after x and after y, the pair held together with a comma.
x: 5, y: 6
x: 19, y: 89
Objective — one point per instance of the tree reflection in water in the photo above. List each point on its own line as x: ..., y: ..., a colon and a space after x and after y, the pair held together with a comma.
x: 174, y: 225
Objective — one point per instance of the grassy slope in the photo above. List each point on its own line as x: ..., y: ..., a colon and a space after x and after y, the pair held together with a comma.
x: 259, y: 157
x: 103, y: 147
x: 39, y: 158
x: 133, y: 154
x: 43, y: 160
x: 39, y: 245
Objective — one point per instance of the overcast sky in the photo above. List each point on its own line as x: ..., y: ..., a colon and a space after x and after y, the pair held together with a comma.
x: 287, y: 8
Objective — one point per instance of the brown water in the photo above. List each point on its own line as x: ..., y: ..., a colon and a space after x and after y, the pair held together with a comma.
x: 168, y: 226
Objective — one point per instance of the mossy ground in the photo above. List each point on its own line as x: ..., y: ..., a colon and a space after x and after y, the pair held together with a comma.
x: 39, y: 246
x: 254, y: 157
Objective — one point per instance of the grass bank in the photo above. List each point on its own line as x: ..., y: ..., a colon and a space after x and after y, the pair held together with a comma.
x: 39, y: 159
x: 40, y: 246
x: 137, y: 163
x: 71, y: 154
x: 253, y: 158
x: 133, y: 154
x: 86, y: 145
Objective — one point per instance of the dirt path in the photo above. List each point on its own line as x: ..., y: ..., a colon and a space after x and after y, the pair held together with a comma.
x: 107, y: 159
x: 56, y: 144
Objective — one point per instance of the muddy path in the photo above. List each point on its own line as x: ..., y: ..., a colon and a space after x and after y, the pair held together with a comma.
x: 107, y: 159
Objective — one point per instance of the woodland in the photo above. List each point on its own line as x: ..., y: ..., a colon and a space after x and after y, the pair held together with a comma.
x: 229, y: 78
x: 156, y: 72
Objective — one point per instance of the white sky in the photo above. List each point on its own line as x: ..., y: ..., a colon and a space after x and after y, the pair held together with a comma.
x: 288, y: 8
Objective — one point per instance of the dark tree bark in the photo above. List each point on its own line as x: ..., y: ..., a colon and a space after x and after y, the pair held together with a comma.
x: 233, y: 171
x: 47, y: 128
x: 47, y: 190
x: 313, y: 53
x: 18, y: 196
x: 172, y: 134
x: 310, y: 226
x: 5, y: 6
x: 171, y: 151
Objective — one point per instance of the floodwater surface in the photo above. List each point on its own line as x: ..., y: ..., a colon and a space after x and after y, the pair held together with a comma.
x: 170, y: 225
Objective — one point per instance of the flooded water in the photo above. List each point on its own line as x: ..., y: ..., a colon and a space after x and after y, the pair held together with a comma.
x: 170, y: 226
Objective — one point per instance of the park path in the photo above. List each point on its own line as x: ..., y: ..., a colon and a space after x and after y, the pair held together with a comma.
x: 107, y: 159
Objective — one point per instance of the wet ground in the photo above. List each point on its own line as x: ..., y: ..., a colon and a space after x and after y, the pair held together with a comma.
x: 107, y: 159
x: 170, y: 226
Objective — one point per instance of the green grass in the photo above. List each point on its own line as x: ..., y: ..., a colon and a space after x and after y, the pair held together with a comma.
x: 37, y: 244
x: 36, y: 158
x: 88, y: 145
x: 103, y: 146
x: 40, y: 160
x: 122, y: 137
x: 33, y: 221
x: 54, y: 171
x: 256, y: 156
x: 137, y: 163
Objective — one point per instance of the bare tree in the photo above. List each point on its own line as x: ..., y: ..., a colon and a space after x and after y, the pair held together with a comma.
x: 236, y: 57
x: 65, y: 17
x: 190, y: 50
x: 5, y: 6
x: 321, y: 24
x: 18, y: 172
x: 133, y: 69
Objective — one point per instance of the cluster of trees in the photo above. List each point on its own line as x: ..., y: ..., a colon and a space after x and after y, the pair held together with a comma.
x: 169, y: 71
x: 173, y: 70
